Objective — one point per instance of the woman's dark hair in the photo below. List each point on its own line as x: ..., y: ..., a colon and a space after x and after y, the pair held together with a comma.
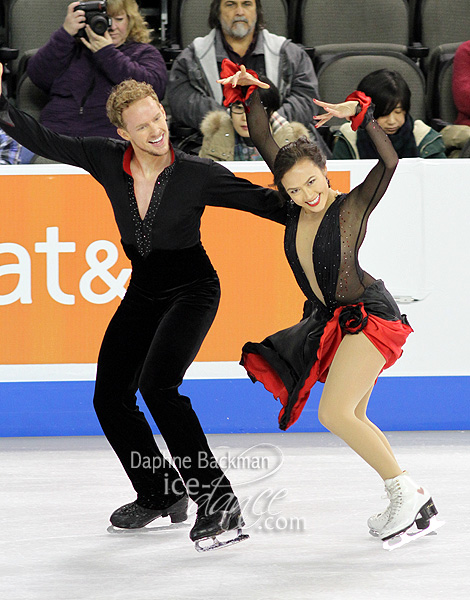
x: 270, y: 98
x: 290, y: 154
x: 387, y: 89
x: 214, y: 15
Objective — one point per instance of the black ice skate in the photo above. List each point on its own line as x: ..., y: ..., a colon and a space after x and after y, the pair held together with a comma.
x: 134, y: 516
x: 208, y: 526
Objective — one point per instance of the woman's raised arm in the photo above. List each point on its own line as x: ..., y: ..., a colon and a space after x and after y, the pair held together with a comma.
x: 243, y: 86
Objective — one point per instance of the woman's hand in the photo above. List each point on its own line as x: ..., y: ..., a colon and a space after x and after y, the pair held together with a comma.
x: 74, y: 19
x: 343, y: 110
x: 95, y: 42
x: 242, y: 78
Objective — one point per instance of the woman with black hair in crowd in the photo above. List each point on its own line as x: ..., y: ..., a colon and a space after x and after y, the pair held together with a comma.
x: 391, y: 96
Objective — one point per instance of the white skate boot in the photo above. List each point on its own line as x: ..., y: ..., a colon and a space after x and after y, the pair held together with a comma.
x: 409, y: 504
x: 378, y: 521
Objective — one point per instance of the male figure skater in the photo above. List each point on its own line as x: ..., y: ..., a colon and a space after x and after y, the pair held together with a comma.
x: 158, y: 196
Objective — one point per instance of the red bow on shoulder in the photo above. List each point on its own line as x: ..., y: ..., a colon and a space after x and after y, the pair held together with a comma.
x: 238, y: 93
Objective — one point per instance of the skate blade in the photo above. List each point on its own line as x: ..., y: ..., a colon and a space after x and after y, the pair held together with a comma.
x: 217, y: 544
x: 405, y: 538
x: 147, y: 529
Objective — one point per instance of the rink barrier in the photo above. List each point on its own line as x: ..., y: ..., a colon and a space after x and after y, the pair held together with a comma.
x: 236, y: 406
x: 62, y: 275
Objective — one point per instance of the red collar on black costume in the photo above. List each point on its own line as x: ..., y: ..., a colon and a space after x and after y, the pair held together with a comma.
x: 129, y: 153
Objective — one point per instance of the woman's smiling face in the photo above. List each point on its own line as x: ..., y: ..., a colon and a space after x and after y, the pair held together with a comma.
x: 307, y: 185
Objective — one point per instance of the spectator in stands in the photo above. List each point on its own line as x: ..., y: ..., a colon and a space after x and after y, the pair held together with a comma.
x: 12, y: 153
x: 78, y: 72
x: 237, y: 33
x: 457, y: 136
x: 392, y: 96
x: 461, y: 83
x: 226, y: 135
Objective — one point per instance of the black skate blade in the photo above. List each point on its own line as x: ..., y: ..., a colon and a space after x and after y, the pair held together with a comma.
x: 406, y: 537
x: 217, y: 544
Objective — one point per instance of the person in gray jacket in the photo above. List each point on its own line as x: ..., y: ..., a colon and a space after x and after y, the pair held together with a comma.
x: 238, y: 33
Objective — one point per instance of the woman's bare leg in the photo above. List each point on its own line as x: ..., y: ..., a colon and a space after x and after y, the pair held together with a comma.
x: 352, y: 374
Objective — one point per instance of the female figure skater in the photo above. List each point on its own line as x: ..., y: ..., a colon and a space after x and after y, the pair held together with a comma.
x: 352, y: 328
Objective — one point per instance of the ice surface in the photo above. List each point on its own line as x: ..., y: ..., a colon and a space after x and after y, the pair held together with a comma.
x: 307, y: 498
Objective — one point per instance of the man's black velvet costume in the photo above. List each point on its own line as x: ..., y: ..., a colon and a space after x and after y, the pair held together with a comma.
x: 167, y: 311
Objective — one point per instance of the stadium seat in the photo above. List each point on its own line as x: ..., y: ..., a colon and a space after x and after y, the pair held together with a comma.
x: 439, y: 98
x: 29, y: 25
x: 443, y: 23
x: 29, y: 97
x: 332, y: 27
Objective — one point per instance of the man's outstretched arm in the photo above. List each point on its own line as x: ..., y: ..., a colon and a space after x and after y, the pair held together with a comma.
x: 79, y: 152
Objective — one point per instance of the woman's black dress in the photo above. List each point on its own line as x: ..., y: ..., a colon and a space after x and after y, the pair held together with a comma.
x: 290, y: 361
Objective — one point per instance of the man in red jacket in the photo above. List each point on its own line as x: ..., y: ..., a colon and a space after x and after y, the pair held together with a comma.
x: 457, y: 137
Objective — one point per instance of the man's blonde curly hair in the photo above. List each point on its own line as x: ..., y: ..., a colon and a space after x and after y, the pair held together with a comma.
x: 123, y: 95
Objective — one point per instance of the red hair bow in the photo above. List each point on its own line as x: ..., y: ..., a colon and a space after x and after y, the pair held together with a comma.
x: 364, y: 102
x: 238, y: 93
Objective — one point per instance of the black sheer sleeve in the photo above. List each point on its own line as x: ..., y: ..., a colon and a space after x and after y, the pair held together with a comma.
x: 355, y: 209
x: 369, y: 193
x: 260, y: 131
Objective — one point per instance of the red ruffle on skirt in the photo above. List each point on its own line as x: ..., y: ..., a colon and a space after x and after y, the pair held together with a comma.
x: 387, y: 336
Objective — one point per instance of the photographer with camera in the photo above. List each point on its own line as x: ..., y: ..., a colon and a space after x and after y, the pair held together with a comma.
x: 99, y: 45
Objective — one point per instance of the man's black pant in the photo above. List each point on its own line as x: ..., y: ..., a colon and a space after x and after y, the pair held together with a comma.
x: 149, y: 344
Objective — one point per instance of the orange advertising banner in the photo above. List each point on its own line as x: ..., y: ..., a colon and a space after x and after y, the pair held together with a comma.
x: 63, y: 270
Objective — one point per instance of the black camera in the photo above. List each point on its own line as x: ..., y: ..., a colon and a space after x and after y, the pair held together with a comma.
x: 8, y: 54
x: 96, y: 17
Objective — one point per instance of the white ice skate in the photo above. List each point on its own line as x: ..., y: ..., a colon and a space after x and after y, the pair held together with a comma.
x: 410, y: 504
x: 378, y: 521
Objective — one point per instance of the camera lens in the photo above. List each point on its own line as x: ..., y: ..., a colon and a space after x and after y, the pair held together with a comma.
x: 99, y: 24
